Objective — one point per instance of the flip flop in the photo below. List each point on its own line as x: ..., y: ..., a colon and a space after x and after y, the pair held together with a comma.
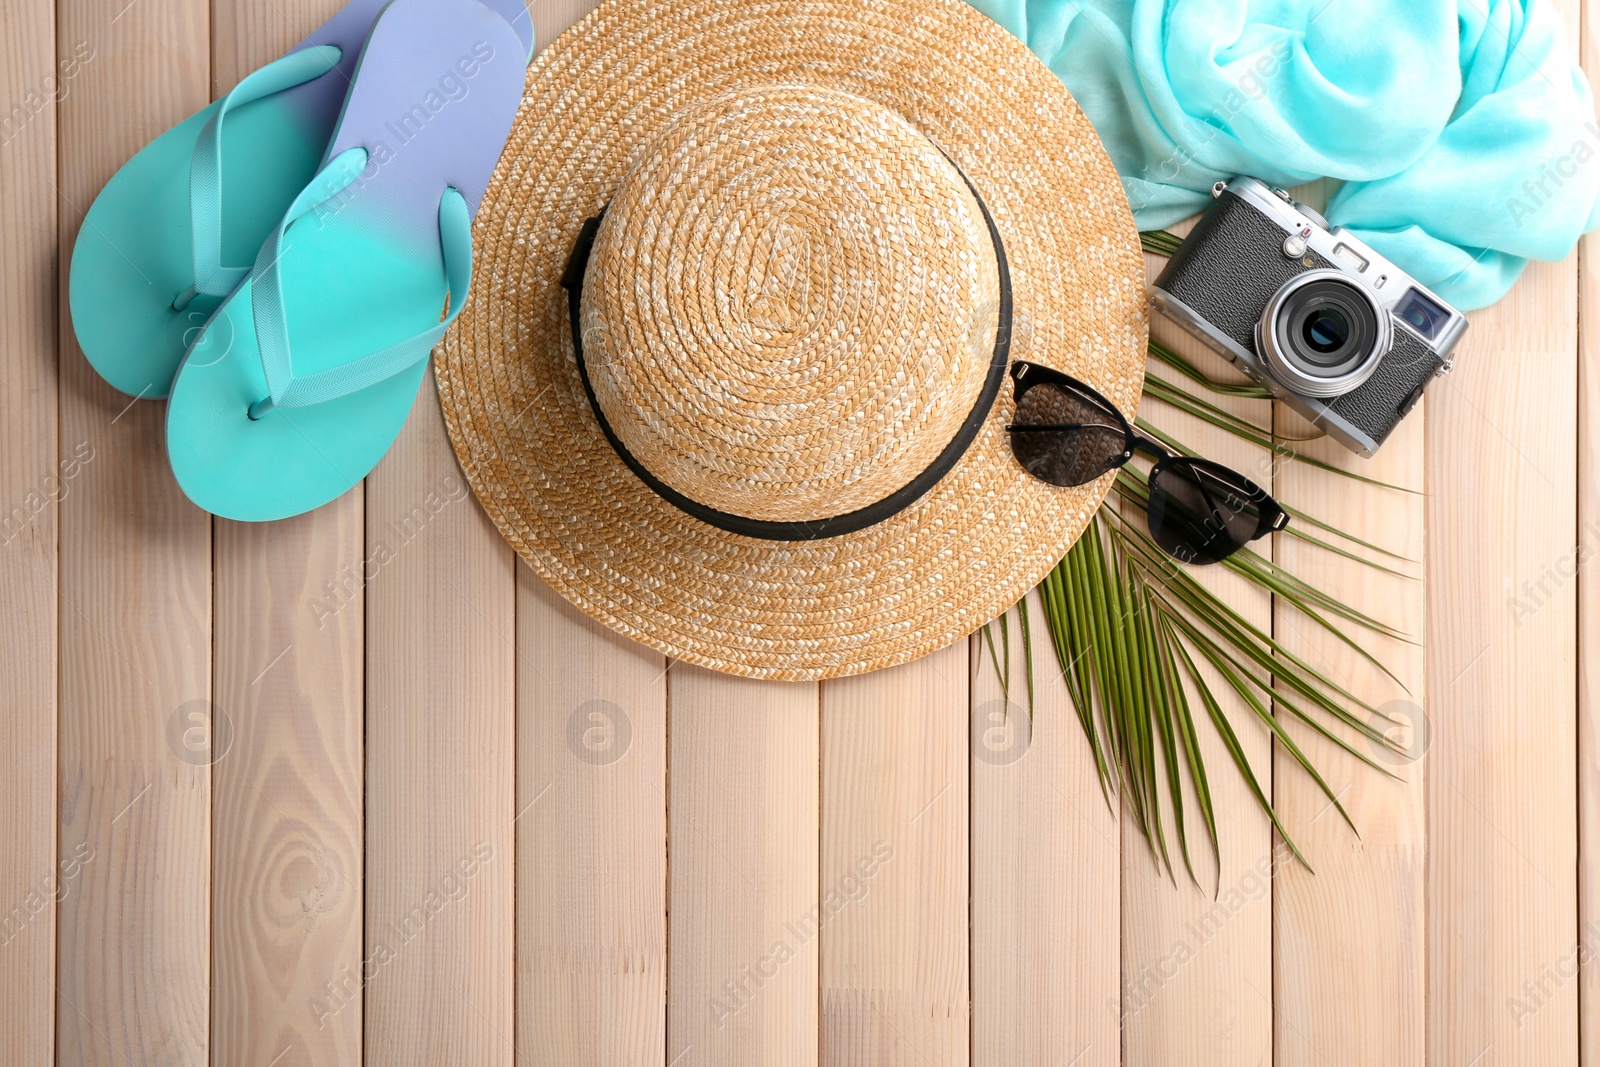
x: 304, y: 376
x: 155, y: 256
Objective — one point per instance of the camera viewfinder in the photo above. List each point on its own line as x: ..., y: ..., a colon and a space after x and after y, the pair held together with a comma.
x: 1423, y: 315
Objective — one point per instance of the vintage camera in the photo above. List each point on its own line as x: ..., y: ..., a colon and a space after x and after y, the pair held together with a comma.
x: 1332, y: 328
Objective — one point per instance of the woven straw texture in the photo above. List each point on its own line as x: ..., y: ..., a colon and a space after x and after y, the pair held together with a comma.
x: 789, y: 309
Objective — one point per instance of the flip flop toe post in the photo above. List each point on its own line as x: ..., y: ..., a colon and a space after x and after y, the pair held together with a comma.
x: 304, y: 376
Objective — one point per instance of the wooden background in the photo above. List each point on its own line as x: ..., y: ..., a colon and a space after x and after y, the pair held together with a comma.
x: 264, y: 800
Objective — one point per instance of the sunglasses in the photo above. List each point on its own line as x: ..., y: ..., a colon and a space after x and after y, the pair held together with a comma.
x: 1067, y: 434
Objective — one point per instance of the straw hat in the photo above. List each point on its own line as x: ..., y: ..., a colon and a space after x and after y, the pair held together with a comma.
x: 827, y: 226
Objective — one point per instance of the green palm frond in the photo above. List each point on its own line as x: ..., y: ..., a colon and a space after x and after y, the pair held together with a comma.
x: 1141, y: 642
x: 1161, y: 242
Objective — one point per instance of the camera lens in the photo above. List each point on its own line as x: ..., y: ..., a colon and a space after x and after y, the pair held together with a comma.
x: 1328, y: 327
x: 1322, y: 334
x: 1326, y: 330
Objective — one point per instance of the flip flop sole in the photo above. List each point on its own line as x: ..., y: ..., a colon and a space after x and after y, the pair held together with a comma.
x: 432, y: 103
x: 291, y: 461
x: 134, y: 257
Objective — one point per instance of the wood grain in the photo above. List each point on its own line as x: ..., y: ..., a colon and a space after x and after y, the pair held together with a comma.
x: 286, y: 823
x: 1588, y: 540
x: 1182, y: 942
x: 1348, y: 940
x: 1045, y: 872
x: 440, y: 677
x: 551, y: 17
x: 135, y: 610
x: 1502, y: 800
x: 746, y: 919
x: 286, y: 896
x: 1501, y: 793
x: 591, y: 839
x: 894, y: 853
x: 32, y: 483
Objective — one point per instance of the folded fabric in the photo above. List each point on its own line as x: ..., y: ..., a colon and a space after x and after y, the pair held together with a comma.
x: 1463, y: 130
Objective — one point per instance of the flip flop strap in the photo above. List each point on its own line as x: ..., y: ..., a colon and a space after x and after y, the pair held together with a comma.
x: 211, y: 278
x: 271, y: 322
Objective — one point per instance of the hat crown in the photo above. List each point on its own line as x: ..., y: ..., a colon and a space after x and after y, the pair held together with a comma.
x: 791, y: 306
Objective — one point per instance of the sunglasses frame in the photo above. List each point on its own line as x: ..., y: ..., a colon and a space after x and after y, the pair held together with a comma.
x: 1272, y: 517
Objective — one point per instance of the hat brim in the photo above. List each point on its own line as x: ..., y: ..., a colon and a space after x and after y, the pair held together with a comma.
x: 528, y: 441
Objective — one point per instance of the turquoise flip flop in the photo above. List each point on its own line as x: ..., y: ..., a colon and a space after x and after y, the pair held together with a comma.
x: 305, y: 374
x: 154, y: 257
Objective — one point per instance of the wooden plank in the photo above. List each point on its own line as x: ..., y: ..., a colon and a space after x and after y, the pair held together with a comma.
x: 440, y: 750
x: 32, y: 483
x: 551, y: 17
x: 1502, y: 794
x: 591, y: 824
x: 1588, y: 540
x: 746, y: 917
x: 1197, y: 962
x: 591, y: 839
x: 135, y: 610
x: 1045, y: 873
x: 286, y: 885
x: 894, y: 855
x: 1349, y: 939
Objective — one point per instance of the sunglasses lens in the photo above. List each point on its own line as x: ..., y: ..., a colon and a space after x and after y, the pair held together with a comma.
x: 1198, y: 517
x: 1065, y: 457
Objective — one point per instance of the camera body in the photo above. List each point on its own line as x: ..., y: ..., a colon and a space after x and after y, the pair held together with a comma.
x: 1331, y: 327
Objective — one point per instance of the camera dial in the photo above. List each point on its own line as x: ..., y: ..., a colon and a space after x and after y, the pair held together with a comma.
x: 1314, y: 216
x: 1323, y: 335
x: 1283, y: 194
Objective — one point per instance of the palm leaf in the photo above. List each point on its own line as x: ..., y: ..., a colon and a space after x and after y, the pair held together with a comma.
x: 1240, y: 390
x: 1130, y: 628
x: 1161, y: 242
x: 1261, y: 438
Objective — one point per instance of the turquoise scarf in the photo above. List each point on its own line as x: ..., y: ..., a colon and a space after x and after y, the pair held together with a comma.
x: 1463, y: 130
